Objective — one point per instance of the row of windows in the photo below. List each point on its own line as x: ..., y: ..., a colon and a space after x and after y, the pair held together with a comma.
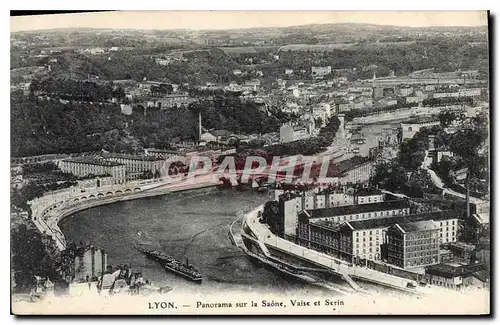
x: 364, y: 245
x: 369, y: 239
x: 420, y: 236
x: 447, y: 223
x: 370, y: 232
x: 365, y: 216
x: 421, y: 261
x: 447, y: 229
x: 377, y: 249
x: 420, y: 242
x: 421, y: 254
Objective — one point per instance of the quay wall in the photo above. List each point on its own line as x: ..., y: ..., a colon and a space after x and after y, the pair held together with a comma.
x: 50, y: 209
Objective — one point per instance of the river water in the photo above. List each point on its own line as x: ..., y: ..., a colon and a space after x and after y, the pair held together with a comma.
x: 193, y: 226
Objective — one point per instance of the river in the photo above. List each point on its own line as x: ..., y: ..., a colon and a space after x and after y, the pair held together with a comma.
x: 193, y: 226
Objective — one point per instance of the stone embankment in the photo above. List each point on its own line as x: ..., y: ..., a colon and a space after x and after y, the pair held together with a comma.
x: 50, y: 209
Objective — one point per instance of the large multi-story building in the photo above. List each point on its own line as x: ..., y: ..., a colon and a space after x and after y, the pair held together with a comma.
x: 290, y: 204
x: 413, y: 244
x: 321, y: 71
x: 168, y: 101
x: 136, y: 165
x: 89, y: 264
x: 365, y: 239
x: 84, y: 166
x: 162, y: 153
x: 354, y: 170
x: 289, y: 133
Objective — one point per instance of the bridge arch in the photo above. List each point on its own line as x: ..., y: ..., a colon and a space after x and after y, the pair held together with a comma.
x: 83, y: 198
x: 128, y: 190
x: 109, y: 193
x: 137, y: 189
x: 76, y: 199
x: 118, y: 192
x: 91, y: 196
x: 100, y: 194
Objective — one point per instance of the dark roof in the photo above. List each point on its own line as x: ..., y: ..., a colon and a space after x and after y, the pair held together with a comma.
x: 93, y: 161
x: 422, y: 225
x: 449, y: 271
x: 131, y: 157
x: 387, y: 222
x: 288, y: 196
x: 368, y: 191
x: 482, y: 275
x: 348, y: 164
x: 359, y: 208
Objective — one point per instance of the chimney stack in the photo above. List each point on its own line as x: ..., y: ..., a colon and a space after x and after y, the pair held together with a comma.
x: 199, y: 125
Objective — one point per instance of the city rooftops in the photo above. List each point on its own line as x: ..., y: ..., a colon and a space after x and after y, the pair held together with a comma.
x: 287, y: 196
x: 387, y: 222
x: 131, y: 157
x: 93, y: 161
x: 368, y: 192
x: 449, y: 271
x: 360, y: 208
x: 348, y: 164
x: 423, y: 225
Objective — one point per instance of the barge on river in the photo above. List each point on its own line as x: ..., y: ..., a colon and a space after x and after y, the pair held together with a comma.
x: 171, y: 264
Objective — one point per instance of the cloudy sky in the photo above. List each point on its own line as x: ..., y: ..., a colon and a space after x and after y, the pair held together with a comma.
x: 245, y: 19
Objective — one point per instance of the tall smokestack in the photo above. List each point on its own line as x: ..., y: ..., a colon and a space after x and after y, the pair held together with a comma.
x: 199, y: 126
x: 467, y: 197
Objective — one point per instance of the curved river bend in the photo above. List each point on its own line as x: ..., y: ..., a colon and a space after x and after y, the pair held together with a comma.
x: 193, y: 226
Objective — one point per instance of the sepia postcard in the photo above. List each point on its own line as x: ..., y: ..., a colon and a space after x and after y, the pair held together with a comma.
x: 250, y: 163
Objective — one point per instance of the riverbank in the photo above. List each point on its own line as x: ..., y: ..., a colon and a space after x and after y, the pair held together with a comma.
x: 47, y: 213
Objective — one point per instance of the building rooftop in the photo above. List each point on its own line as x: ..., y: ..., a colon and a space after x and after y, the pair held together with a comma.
x: 360, y: 208
x: 387, y: 222
x: 131, y: 157
x: 288, y: 196
x: 449, y: 271
x: 368, y: 191
x: 423, y: 225
x: 94, y: 161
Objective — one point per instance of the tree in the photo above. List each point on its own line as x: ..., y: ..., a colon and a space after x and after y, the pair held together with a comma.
x: 30, y: 258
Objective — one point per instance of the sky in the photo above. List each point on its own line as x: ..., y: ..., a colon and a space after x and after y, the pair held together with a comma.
x: 244, y: 19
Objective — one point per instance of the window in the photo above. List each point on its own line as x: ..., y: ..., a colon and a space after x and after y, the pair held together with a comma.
x: 376, y: 231
x: 446, y: 222
x: 441, y: 223
x: 364, y: 250
x: 357, y: 234
x: 364, y: 233
x: 410, y: 129
x: 453, y: 222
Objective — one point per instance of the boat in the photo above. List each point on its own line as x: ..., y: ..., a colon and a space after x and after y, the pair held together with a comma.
x: 171, y: 264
